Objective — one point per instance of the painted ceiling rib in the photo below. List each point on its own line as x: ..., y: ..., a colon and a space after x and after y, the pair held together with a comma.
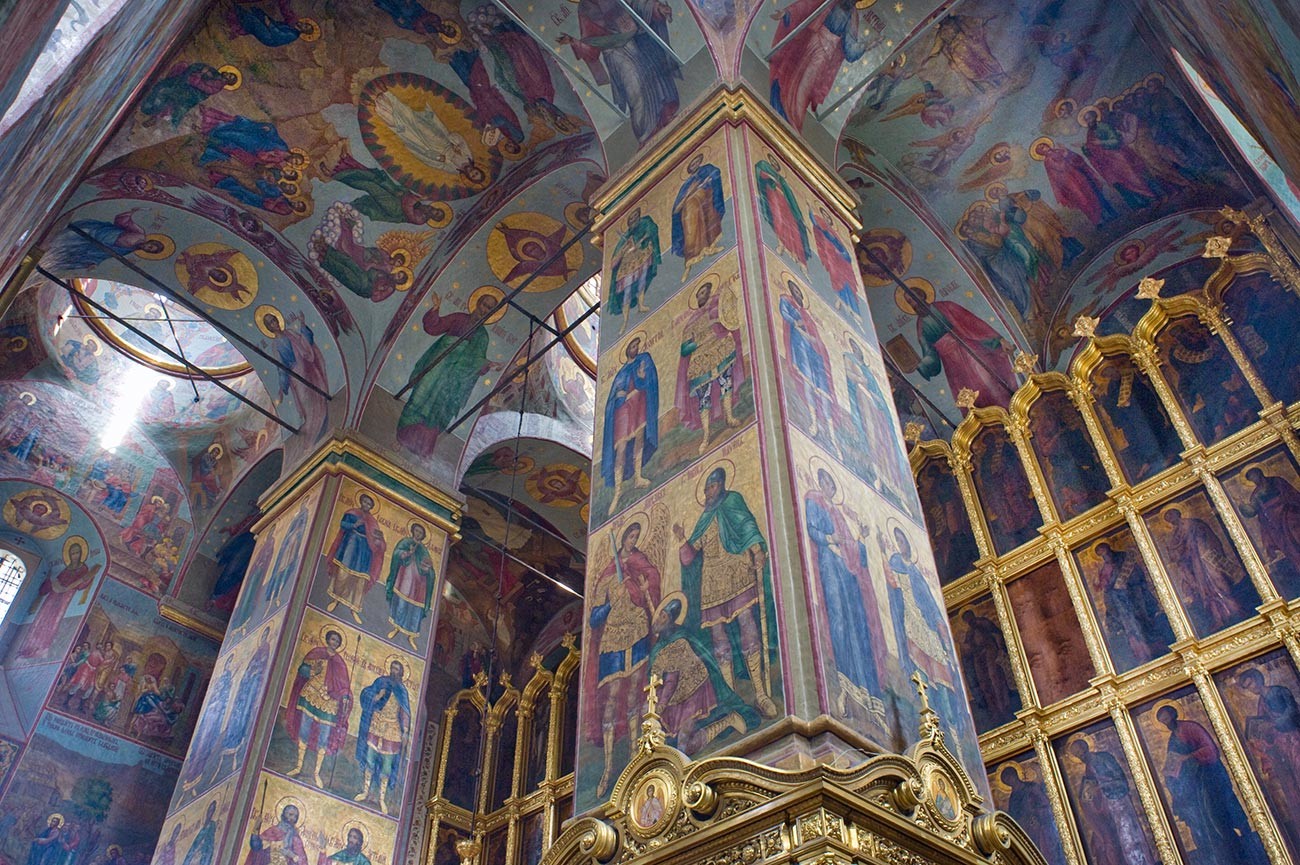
x: 511, y: 375
x: 798, y: 28
x: 560, y: 58
x: 172, y: 294
x: 508, y: 299
x: 650, y: 31
x: 917, y: 299
x: 197, y: 370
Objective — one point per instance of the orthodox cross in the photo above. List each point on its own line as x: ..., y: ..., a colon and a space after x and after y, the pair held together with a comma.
x: 652, y: 692
x: 921, y: 687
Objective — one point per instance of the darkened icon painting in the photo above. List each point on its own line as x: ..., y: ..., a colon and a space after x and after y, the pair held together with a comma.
x: 1210, y: 826
x: 955, y: 550
x: 1264, y: 313
x: 1049, y: 631
x: 1134, y: 625
x: 1262, y: 700
x: 1008, y: 503
x: 1202, y: 564
x: 1075, y: 477
x: 1104, y: 797
x: 985, y: 664
x: 1017, y: 786
x: 1136, y: 422
x: 1203, y: 376
x: 1266, y: 495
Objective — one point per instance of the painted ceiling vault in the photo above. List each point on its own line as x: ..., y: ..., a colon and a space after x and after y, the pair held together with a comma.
x: 382, y: 205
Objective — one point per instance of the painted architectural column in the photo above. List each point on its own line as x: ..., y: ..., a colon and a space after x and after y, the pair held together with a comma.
x: 307, y: 743
x: 756, y: 539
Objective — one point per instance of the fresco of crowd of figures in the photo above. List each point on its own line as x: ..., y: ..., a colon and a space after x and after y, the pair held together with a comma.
x: 1120, y: 553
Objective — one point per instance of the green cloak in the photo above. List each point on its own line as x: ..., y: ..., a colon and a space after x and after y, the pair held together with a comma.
x: 728, y: 700
x: 738, y: 531
x: 644, y: 234
x: 438, y: 397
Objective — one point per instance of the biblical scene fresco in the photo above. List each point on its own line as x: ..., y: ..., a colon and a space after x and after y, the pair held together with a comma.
x: 1017, y: 785
x: 698, y: 345
x: 1136, y: 423
x: 680, y: 585
x: 1050, y: 633
x: 818, y: 52
x: 878, y: 609
x: 675, y: 232
x: 379, y: 566
x: 1076, y: 479
x: 834, y: 388
x: 274, y: 567
x: 219, y: 745
x: 1104, y: 798
x: 48, y: 435
x: 1209, y: 387
x: 211, y: 579
x: 947, y: 519
x: 1261, y: 696
x: 1196, y: 790
x: 288, y: 821
x: 1260, y: 308
x: 1106, y: 144
x: 87, y: 791
x: 985, y: 664
x: 346, y: 717
x: 1010, y: 511
x: 194, y: 835
x: 1202, y: 563
x: 1265, y: 493
x: 1133, y: 624
x: 134, y: 673
x: 49, y: 607
x: 939, y: 331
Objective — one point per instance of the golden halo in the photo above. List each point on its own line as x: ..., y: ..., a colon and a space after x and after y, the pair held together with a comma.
x: 451, y: 33
x: 818, y: 463
x: 1064, y: 107
x: 891, y: 523
x: 285, y: 802
x: 520, y: 243
x: 360, y: 827
x: 577, y: 214
x: 918, y: 284
x: 995, y: 191
x: 635, y: 335
x: 1152, y: 79
x: 157, y: 500
x: 483, y: 291
x: 1089, y: 111
x: 17, y: 344
x: 1160, y: 704
x: 509, y: 149
x: 168, y: 247
x: 1038, y: 150
x: 727, y: 466
x: 309, y: 29
x: 405, y: 276
x: 388, y: 663
x: 712, y: 280
x: 584, y: 514
x: 883, y: 241
x: 232, y: 70
x: 411, y: 527
x: 55, y: 816
x: 75, y: 541
x: 337, y: 628
x: 673, y: 596
x: 786, y: 278
x: 701, y: 154
x: 216, y: 450
x: 443, y: 216
x: 367, y: 494
x: 96, y: 347
x: 262, y: 312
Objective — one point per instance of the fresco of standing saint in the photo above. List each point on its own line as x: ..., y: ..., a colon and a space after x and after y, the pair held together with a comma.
x: 727, y: 580
x: 711, y: 367
x: 631, y: 433
x: 782, y: 213
x: 55, y: 596
x: 385, y: 732
x: 438, y: 393
x: 697, y: 214
x: 356, y: 556
x: 409, y: 589
x: 319, y: 704
x: 632, y: 267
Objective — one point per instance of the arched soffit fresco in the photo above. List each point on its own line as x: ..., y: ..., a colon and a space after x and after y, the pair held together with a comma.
x: 1039, y: 134
x: 549, y: 479
x: 941, y: 283
x: 351, y: 153
x: 50, y: 435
